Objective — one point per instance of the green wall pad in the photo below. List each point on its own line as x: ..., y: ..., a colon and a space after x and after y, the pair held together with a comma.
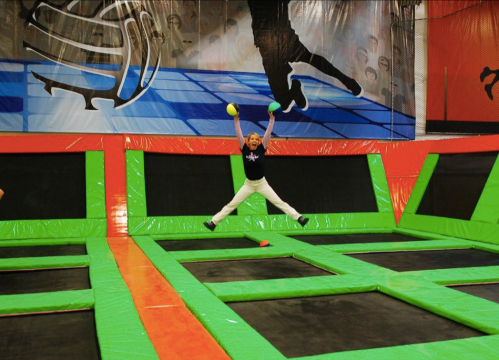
x: 95, y: 223
x: 253, y: 215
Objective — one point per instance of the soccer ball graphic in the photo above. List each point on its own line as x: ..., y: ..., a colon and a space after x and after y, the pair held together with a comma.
x: 108, y: 38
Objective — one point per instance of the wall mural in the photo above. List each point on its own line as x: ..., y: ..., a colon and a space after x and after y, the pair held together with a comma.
x: 340, y: 69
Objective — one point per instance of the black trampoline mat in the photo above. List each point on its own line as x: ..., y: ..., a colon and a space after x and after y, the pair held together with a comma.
x: 40, y: 251
x: 60, y: 335
x: 324, y: 324
x: 48, y: 280
x: 252, y: 269
x: 321, y: 184
x: 207, y: 244
x: 485, y: 291
x: 185, y: 185
x: 430, y: 259
x: 42, y: 186
x: 354, y: 238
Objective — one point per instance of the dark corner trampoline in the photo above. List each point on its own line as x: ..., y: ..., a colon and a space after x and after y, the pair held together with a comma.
x: 252, y: 269
x: 325, y: 324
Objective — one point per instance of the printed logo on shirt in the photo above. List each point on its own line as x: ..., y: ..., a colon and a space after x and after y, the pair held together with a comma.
x: 252, y: 157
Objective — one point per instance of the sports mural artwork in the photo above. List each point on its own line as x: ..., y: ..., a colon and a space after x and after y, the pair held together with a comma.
x: 172, y: 66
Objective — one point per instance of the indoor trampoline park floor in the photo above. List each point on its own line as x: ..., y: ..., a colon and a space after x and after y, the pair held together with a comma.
x: 171, y: 289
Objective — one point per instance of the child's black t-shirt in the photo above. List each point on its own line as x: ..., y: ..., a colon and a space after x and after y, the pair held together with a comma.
x: 254, y: 162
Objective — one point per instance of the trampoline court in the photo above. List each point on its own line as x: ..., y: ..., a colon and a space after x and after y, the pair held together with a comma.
x: 326, y: 324
x: 252, y: 269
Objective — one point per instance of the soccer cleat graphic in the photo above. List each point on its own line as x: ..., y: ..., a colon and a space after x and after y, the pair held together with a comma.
x: 133, y: 34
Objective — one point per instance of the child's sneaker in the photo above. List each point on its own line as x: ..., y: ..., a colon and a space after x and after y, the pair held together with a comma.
x: 210, y: 226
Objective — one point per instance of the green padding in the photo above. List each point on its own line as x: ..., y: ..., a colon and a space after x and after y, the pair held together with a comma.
x: 235, y: 336
x: 119, y: 329
x: 136, y: 186
x: 421, y: 184
x: 53, y: 301
x: 399, y: 246
x: 471, y: 230
x: 297, y: 287
x: 341, y: 264
x: 487, y: 209
x: 423, y: 234
x: 256, y: 203
x: 459, y: 276
x: 194, y: 224
x: 463, y: 308
x: 380, y: 184
x: 41, y: 242
x: 44, y: 262
x: 46, y: 229
x: 96, y: 196
x: 483, y: 348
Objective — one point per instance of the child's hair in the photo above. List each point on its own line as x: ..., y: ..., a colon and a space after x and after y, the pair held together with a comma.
x: 253, y: 133
x: 372, y: 71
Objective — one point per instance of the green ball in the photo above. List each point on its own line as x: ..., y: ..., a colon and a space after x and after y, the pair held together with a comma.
x: 232, y: 109
x: 274, y: 107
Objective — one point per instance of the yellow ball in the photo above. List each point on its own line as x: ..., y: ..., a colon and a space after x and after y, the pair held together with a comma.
x: 232, y: 109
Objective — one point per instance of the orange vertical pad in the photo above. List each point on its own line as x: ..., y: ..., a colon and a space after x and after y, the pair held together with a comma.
x: 403, y: 162
x: 115, y: 177
x: 174, y: 331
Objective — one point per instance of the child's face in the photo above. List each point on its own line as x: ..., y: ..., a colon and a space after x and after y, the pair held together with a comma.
x: 253, y: 141
x: 370, y: 76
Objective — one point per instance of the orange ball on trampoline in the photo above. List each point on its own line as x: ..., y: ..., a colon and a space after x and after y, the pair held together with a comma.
x: 264, y: 243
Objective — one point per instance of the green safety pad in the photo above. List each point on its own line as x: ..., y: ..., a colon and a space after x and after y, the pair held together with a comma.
x: 119, y: 328
x: 380, y: 185
x: 135, y: 184
x: 399, y: 246
x: 41, y: 242
x: 295, y: 287
x: 95, y: 187
x: 47, y: 262
x: 237, y: 223
x: 43, y: 302
x: 463, y: 308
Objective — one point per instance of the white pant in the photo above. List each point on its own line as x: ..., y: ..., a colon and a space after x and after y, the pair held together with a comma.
x: 251, y: 186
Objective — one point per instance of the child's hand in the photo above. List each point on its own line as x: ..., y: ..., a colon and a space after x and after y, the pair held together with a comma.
x: 271, y: 114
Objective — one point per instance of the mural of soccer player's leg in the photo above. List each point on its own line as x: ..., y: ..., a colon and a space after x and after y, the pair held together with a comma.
x: 279, y: 46
x: 488, y: 87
